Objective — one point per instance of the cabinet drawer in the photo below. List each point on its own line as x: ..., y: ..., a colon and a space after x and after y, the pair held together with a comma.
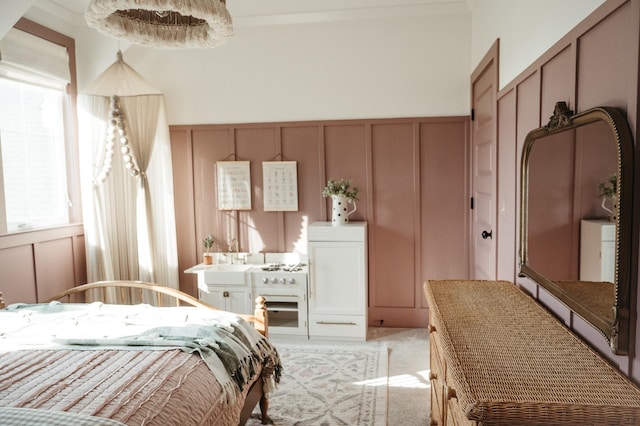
x: 437, y: 391
x: 436, y: 379
x: 436, y: 417
x: 338, y: 326
x: 444, y: 405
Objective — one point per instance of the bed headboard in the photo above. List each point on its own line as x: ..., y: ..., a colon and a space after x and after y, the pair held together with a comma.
x: 128, y: 292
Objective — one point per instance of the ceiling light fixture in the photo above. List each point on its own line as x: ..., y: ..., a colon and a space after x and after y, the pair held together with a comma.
x: 162, y: 23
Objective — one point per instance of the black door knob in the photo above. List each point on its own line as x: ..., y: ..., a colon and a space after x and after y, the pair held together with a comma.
x: 486, y: 234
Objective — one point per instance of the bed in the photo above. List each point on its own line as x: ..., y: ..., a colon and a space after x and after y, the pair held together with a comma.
x: 75, y: 360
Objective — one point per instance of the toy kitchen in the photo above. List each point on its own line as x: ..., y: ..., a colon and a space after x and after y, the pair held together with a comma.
x: 319, y: 294
x: 234, y: 281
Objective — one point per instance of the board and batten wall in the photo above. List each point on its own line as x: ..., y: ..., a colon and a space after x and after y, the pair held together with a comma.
x: 595, y: 64
x: 526, y: 29
x: 39, y: 264
x: 413, y: 179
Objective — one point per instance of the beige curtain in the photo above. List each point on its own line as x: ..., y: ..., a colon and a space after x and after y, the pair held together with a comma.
x: 129, y: 217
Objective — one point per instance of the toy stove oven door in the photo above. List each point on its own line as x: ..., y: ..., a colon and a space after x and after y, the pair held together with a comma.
x: 287, y: 314
x: 286, y: 299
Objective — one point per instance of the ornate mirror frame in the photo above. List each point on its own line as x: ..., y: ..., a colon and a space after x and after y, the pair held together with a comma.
x: 617, y: 331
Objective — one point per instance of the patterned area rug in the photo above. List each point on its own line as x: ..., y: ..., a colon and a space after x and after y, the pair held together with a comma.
x: 330, y: 385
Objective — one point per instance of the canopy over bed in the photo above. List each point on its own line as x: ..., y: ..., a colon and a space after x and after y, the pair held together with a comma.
x: 127, y: 179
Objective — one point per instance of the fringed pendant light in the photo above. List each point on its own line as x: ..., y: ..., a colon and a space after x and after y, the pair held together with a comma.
x: 162, y: 23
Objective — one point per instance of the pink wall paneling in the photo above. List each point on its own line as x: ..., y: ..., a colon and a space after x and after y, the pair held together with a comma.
x: 346, y: 154
x: 595, y: 64
x: 558, y: 82
x: 508, y: 208
x: 411, y: 174
x: 607, y: 61
x: 36, y: 265
x: 54, y: 267
x: 183, y: 198
x: 445, y: 201
x: 393, y: 214
x: 204, y: 157
x: 257, y: 231
x: 18, y: 282
x: 295, y: 142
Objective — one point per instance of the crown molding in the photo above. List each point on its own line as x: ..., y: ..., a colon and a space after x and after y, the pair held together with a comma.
x: 369, y: 13
x: 59, y: 10
x: 73, y: 13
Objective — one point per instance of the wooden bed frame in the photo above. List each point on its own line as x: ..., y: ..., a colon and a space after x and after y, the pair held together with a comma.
x: 125, y: 291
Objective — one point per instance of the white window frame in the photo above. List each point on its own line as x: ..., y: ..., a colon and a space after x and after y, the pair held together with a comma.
x: 70, y: 132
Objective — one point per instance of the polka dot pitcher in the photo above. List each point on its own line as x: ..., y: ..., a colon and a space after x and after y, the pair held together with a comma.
x: 340, y: 214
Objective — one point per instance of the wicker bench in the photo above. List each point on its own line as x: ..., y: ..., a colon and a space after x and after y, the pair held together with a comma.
x: 497, y: 357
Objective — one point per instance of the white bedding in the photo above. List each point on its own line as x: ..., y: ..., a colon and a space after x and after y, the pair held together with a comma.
x: 105, y: 361
x: 230, y: 346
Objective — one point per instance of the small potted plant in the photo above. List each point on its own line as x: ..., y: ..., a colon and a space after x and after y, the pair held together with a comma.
x: 207, y: 243
x: 341, y: 192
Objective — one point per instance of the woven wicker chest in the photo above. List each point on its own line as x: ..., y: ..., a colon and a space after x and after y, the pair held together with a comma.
x: 497, y: 357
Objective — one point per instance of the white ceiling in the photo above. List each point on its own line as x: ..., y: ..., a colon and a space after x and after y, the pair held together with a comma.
x: 266, y: 12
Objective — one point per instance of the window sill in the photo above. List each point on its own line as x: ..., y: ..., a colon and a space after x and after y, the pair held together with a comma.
x: 32, y: 236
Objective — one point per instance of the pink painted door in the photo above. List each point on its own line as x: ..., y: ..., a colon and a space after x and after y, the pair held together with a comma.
x: 484, y: 168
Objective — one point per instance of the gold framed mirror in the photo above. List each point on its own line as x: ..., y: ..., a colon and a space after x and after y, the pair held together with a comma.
x: 575, y: 215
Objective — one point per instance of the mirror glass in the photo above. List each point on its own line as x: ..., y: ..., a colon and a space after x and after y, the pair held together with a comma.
x: 575, y: 210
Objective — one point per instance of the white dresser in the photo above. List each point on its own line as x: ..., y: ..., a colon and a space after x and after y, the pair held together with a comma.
x: 338, y: 280
x: 597, y: 250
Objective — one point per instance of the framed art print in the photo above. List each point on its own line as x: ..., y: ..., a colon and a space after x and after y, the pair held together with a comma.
x: 280, y: 181
x: 234, y: 185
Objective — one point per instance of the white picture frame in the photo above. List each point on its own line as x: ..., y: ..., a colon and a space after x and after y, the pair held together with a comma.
x: 233, y: 185
x: 280, y: 185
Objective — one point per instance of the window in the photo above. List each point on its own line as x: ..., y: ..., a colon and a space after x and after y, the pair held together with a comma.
x: 34, y: 120
x: 33, y: 155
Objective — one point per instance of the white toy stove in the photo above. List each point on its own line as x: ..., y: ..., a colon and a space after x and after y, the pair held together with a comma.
x: 284, y: 287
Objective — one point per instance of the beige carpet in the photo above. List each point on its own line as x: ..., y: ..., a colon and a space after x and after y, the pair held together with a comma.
x: 409, y: 385
x: 407, y: 390
x: 330, y: 384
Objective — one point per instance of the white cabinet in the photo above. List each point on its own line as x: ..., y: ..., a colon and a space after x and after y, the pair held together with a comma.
x: 227, y: 292
x: 597, y: 250
x: 232, y: 298
x: 338, y: 280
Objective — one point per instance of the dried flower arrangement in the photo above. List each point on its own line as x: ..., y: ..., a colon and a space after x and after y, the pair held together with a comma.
x: 609, y: 188
x: 341, y: 187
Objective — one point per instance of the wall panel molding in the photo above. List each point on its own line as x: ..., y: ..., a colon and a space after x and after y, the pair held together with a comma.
x: 595, y: 64
x: 35, y: 265
x: 400, y: 166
